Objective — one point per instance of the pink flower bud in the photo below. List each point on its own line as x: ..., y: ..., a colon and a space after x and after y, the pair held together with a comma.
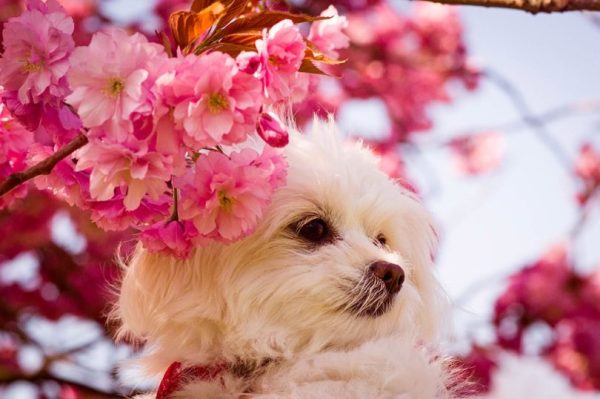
x: 271, y: 130
x: 248, y: 62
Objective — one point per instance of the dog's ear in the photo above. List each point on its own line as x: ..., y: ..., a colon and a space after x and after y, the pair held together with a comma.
x: 159, y: 293
x: 145, y: 287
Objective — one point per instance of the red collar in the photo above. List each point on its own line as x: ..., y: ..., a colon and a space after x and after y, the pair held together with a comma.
x: 176, y: 376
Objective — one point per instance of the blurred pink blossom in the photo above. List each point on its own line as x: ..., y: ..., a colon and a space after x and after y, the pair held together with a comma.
x: 587, y: 168
x: 577, y: 351
x: 526, y: 299
x: 477, y: 153
x: 327, y: 35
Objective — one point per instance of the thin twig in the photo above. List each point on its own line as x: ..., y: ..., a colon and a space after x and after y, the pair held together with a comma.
x: 44, y: 167
x: 44, y: 375
x: 531, y: 6
x: 538, y: 125
x: 516, y: 126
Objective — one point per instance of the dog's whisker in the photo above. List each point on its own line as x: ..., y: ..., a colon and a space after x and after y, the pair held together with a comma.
x: 366, y: 296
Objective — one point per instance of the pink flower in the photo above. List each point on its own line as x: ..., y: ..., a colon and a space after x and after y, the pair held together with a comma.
x: 15, y: 140
x: 225, y: 195
x: 577, y: 352
x: 106, y: 97
x: 479, y: 153
x: 271, y: 130
x: 37, y: 46
x: 328, y: 34
x: 280, y: 54
x: 587, y: 168
x: 52, y: 121
x: 224, y: 104
x: 392, y: 164
x: 113, y: 165
x: 171, y: 237
x: 284, y: 45
x: 112, y: 215
x: 527, y: 298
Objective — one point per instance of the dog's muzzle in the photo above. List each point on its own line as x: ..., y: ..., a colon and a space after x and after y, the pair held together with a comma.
x: 374, y: 293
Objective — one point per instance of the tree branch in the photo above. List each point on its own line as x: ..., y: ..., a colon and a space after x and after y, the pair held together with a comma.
x: 531, y: 6
x: 43, y: 376
x: 44, y: 167
x: 518, y: 125
x: 538, y: 126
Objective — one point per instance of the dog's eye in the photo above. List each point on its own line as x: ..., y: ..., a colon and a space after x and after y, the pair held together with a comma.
x: 315, y: 231
x: 381, y: 240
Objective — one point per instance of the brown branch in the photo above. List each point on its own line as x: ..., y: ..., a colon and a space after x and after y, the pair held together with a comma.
x: 44, y: 167
x: 532, y: 6
x: 43, y: 376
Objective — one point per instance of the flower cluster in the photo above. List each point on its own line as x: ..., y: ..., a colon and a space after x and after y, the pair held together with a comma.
x: 553, y: 293
x: 161, y: 121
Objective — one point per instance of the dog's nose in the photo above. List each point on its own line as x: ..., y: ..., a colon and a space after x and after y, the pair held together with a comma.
x: 392, y: 275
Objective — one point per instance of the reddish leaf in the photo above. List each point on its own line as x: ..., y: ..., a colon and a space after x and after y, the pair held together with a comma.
x: 199, y: 5
x: 234, y: 9
x: 246, y: 39
x: 264, y: 19
x: 313, y: 54
x: 164, y: 39
x: 188, y: 26
x: 230, y: 48
x: 309, y: 67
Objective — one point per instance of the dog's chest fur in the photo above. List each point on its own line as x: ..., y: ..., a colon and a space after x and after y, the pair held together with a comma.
x: 392, y: 367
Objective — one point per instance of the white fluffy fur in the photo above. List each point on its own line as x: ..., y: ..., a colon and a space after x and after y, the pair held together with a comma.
x: 268, y: 296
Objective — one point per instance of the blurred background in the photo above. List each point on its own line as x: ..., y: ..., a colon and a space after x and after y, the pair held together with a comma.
x: 491, y: 116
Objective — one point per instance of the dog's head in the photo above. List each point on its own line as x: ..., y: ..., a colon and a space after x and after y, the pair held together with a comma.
x: 342, y: 255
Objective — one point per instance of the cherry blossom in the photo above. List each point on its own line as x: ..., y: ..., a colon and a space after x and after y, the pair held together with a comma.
x: 105, y: 98
x: 14, y: 143
x: 327, y: 35
x: 63, y: 181
x: 587, y: 168
x: 224, y: 104
x: 37, y: 45
x: 114, y: 165
x: 226, y: 194
x: 479, y: 153
x: 172, y: 237
x: 280, y: 53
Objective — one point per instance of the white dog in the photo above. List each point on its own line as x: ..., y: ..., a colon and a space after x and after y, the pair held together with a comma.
x: 331, y: 297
